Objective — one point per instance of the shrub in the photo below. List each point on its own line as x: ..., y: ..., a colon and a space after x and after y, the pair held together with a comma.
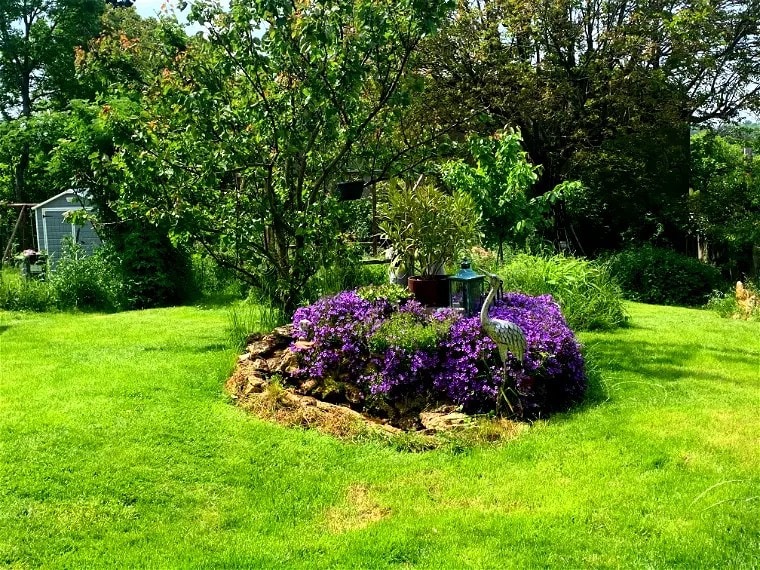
x: 663, y: 276
x: 81, y: 281
x: 400, y: 353
x: 589, y: 296
x: 153, y: 271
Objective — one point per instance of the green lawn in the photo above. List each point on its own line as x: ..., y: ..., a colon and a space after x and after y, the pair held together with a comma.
x: 118, y: 448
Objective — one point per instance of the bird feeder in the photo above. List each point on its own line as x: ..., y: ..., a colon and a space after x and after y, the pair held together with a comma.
x: 467, y: 289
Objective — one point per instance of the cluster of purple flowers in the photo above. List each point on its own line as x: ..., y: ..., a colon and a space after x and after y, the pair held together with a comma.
x: 463, y: 368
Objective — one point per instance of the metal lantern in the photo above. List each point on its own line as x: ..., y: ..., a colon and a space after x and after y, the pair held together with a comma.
x: 467, y: 289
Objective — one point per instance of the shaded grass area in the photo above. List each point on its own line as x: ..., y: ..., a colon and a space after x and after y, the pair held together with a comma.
x: 118, y: 449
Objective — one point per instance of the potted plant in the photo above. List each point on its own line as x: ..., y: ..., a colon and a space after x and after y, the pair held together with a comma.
x: 428, y: 229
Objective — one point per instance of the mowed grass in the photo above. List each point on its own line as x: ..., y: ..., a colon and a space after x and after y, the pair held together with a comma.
x: 118, y: 448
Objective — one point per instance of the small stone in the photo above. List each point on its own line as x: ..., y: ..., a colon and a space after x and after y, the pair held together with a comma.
x: 439, y: 421
x: 244, y: 357
x: 307, y: 401
x: 254, y: 385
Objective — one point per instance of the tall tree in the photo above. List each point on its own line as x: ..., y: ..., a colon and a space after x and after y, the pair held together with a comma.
x: 725, y: 200
x: 247, y: 132
x: 38, y: 38
x: 592, y: 83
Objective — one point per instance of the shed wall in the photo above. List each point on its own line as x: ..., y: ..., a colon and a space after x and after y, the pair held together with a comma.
x: 53, y: 230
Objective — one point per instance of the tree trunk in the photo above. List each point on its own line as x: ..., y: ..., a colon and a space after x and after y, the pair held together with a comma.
x: 19, y: 179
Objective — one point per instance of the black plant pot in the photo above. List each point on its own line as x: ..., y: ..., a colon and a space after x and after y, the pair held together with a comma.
x: 432, y: 291
x: 350, y: 190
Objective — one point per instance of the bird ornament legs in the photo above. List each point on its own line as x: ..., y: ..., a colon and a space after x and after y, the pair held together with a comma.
x: 508, y: 336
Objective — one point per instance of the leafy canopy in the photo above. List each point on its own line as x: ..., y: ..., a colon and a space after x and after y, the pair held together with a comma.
x: 245, y: 133
x: 499, y: 181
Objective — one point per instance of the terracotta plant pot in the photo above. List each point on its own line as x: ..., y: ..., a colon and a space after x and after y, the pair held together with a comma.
x: 432, y: 291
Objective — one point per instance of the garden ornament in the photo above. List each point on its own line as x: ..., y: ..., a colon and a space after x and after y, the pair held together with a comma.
x: 507, y: 335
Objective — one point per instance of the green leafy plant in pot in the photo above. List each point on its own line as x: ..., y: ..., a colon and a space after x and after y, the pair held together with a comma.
x: 428, y: 229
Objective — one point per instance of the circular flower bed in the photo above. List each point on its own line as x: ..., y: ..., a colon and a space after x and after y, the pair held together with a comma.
x: 401, y: 359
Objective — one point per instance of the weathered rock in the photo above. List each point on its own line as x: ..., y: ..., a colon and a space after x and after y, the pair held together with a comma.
x: 442, y: 421
x: 284, y: 331
x: 287, y: 363
x: 260, y: 349
x: 253, y: 338
x: 254, y: 385
x: 260, y: 365
x: 308, y: 386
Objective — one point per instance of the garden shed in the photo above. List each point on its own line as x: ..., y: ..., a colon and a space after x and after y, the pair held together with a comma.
x: 53, y: 229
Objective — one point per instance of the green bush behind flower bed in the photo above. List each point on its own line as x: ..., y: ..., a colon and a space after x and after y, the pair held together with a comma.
x: 664, y: 277
x: 589, y: 296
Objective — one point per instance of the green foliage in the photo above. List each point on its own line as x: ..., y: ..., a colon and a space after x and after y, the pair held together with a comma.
x: 725, y: 199
x: 20, y: 294
x: 663, y: 276
x: 37, y: 59
x: 427, y: 227
x: 499, y: 182
x: 392, y: 292
x: 405, y: 331
x: 81, y: 281
x: 242, y: 136
x: 154, y: 271
x: 589, y: 297
x: 603, y: 92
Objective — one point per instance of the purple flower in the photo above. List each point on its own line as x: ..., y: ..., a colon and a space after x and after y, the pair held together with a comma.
x: 464, y: 368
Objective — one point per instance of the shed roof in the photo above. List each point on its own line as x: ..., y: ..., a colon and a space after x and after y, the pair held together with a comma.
x: 81, y: 193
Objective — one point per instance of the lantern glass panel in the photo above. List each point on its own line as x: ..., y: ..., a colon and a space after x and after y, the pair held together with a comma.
x: 467, y: 290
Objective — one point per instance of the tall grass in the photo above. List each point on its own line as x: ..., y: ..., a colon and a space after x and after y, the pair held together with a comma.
x: 249, y: 317
x: 343, y: 276
x: 588, y: 295
x: 20, y: 294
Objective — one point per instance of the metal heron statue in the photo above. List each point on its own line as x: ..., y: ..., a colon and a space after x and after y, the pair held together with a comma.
x: 507, y: 335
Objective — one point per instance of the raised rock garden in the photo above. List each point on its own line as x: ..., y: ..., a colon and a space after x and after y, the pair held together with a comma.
x: 352, y: 364
x: 264, y: 383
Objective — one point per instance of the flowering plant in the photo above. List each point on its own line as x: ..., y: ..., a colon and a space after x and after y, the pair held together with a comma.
x: 396, y: 352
